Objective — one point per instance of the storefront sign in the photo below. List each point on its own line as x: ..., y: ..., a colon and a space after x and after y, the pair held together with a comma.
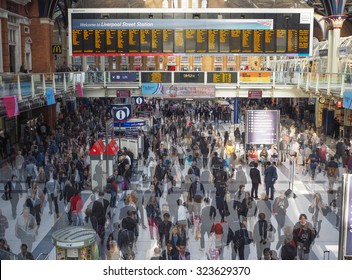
x: 11, y: 105
x: 255, y: 77
x: 133, y: 124
x: 255, y: 94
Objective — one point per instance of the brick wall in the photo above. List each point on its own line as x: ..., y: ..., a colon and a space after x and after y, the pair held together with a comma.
x: 5, y: 45
x: 41, y: 34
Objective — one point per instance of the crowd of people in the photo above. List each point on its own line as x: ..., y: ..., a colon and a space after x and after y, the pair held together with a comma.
x: 193, y: 183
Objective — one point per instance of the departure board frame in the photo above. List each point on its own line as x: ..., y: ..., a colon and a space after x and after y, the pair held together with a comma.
x: 145, y: 32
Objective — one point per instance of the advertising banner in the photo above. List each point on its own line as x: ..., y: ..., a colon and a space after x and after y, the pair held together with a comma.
x: 171, y: 91
x: 11, y: 105
x: 347, y: 100
x: 50, y: 96
x: 79, y: 90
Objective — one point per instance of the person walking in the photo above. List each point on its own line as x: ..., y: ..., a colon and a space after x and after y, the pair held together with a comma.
x: 280, y: 206
x: 26, y: 228
x: 303, y: 236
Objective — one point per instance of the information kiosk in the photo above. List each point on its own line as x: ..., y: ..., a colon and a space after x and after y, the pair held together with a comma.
x: 75, y: 243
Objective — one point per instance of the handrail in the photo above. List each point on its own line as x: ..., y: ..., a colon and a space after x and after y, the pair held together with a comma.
x: 33, y: 85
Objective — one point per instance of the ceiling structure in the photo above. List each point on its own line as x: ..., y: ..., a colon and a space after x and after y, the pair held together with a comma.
x: 57, y: 9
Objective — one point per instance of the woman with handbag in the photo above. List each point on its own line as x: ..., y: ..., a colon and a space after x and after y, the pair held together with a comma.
x: 26, y: 228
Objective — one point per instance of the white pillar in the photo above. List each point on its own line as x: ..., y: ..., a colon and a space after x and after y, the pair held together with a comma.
x: 165, y: 4
x: 195, y: 4
x: 330, y: 46
x: 184, y: 4
x: 102, y: 63
x: 204, y: 4
x: 84, y: 64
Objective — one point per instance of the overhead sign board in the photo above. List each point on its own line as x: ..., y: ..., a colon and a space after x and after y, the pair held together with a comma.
x: 255, y: 94
x: 120, y: 112
x: 262, y: 127
x: 56, y: 49
x: 227, y: 31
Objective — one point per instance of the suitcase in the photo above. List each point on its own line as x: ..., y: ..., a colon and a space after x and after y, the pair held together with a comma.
x: 327, y: 255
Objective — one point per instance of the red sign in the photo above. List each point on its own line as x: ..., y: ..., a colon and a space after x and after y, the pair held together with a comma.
x: 113, y: 148
x: 339, y: 104
x: 255, y: 94
x: 123, y: 93
x: 98, y: 148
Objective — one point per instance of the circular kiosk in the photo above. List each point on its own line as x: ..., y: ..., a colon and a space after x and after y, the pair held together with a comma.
x: 75, y: 243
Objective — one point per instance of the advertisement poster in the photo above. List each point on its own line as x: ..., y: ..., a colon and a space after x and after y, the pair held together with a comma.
x: 50, y: 96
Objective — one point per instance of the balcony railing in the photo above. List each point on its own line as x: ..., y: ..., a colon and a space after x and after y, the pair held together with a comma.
x: 27, y: 86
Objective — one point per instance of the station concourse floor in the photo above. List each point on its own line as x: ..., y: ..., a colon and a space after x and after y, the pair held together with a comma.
x: 304, y: 189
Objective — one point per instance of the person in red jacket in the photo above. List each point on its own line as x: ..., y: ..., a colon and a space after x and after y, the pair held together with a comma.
x: 76, y: 209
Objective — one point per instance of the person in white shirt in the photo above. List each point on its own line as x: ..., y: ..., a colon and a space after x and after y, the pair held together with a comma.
x: 182, y: 216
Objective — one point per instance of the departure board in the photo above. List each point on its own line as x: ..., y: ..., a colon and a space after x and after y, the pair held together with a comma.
x: 88, y: 41
x: 224, y: 41
x: 189, y: 77
x: 77, y: 41
x: 270, y: 41
x: 202, y: 41
x: 281, y: 39
x: 225, y: 32
x: 179, y: 45
x: 133, y: 41
x: 292, y: 41
x: 145, y: 40
x: 221, y: 77
x: 157, y: 41
x: 235, y: 41
x: 258, y: 41
x: 213, y: 41
x: 156, y: 77
x: 100, y: 38
x: 190, y: 35
x: 111, y: 41
x: 247, y: 39
x: 168, y: 41
x: 122, y: 41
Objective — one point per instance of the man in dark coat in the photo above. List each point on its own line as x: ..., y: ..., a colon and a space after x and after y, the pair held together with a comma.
x: 270, y: 177
x: 254, y: 173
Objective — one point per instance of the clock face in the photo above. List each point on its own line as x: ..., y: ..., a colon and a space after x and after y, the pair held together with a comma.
x: 321, y: 100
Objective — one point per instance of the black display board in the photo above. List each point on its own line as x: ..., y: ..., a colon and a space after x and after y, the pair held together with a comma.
x: 132, y: 34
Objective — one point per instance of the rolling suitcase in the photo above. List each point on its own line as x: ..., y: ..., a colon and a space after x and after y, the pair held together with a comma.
x: 327, y: 255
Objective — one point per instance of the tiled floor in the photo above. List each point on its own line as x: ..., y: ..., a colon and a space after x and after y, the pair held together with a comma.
x: 303, y: 188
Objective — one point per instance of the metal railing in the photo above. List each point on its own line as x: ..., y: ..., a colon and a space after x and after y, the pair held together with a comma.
x: 27, y: 86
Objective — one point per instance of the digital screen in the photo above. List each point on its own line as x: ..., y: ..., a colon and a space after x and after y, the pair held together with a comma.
x: 263, y: 33
x: 189, y: 77
x: 202, y: 41
x: 213, y: 41
x: 156, y: 77
x: 262, y: 127
x: 221, y: 77
x: 190, y: 35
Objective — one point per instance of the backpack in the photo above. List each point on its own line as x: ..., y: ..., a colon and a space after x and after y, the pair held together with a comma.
x: 332, y: 172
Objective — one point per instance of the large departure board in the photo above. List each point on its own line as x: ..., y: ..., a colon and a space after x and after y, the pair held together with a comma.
x: 229, y: 31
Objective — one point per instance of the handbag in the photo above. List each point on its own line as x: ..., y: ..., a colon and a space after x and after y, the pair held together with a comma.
x: 68, y: 207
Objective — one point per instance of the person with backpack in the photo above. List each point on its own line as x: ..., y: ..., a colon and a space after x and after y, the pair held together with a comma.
x: 53, y: 189
x: 100, y: 212
x: 303, y: 237
x: 332, y: 173
x: 242, y: 237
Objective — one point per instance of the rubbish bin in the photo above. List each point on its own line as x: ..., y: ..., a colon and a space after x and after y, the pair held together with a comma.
x: 75, y: 243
